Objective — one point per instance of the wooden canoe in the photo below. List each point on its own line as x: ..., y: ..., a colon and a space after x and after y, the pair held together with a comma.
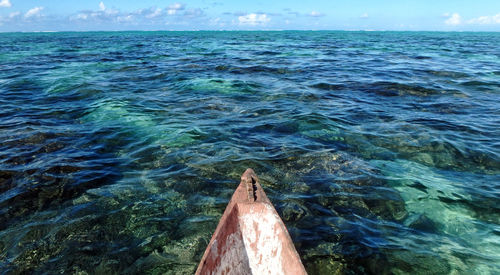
x: 250, y: 238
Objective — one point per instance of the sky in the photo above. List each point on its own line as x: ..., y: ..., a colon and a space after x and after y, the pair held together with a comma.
x: 110, y: 15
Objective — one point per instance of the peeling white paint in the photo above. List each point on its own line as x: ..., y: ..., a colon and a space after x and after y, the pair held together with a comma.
x: 261, y: 236
x: 233, y: 256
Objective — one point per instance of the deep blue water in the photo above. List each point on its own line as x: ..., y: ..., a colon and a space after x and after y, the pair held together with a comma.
x: 380, y: 150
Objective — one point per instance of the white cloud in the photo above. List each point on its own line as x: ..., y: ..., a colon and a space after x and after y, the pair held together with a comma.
x: 218, y: 22
x: 103, y: 14
x: 176, y: 6
x: 5, y: 4
x: 126, y: 18
x: 148, y: 16
x: 316, y: 14
x: 82, y: 16
x: 486, y: 20
x: 453, y: 19
x: 33, y: 12
x: 364, y: 15
x: 172, y: 9
x: 193, y: 13
x: 254, y: 19
x: 215, y: 21
x: 108, y: 11
x: 157, y: 12
x: 14, y: 14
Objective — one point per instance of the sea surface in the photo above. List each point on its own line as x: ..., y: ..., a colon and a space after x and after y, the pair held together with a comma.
x: 120, y: 150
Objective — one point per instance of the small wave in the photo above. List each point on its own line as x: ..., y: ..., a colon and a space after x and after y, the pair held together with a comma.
x: 488, y: 85
x: 450, y: 74
x: 49, y: 183
x: 328, y: 86
x: 444, y: 108
x: 253, y: 69
x: 127, y: 68
x: 267, y: 53
x: 396, y: 89
x: 222, y: 86
x: 422, y: 57
x: 442, y: 125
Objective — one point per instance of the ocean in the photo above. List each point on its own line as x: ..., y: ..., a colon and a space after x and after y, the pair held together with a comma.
x: 120, y: 150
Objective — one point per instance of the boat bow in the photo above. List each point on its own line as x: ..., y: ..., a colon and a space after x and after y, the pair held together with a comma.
x: 250, y: 237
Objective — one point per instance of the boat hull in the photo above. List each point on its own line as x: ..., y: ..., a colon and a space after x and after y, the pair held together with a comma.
x: 250, y: 238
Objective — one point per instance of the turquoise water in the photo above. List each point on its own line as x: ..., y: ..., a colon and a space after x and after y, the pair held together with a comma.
x: 380, y: 150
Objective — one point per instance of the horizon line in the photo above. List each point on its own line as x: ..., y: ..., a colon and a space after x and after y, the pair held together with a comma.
x: 263, y: 30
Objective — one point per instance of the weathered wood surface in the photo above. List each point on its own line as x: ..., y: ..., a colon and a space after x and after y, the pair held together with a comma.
x: 250, y: 237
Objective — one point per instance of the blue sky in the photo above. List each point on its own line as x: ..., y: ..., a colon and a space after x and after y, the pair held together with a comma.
x: 64, y: 15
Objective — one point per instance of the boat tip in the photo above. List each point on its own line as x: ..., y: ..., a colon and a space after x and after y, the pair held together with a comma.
x: 249, y: 174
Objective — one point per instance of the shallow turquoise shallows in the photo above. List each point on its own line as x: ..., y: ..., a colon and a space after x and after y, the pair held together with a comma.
x: 120, y: 150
